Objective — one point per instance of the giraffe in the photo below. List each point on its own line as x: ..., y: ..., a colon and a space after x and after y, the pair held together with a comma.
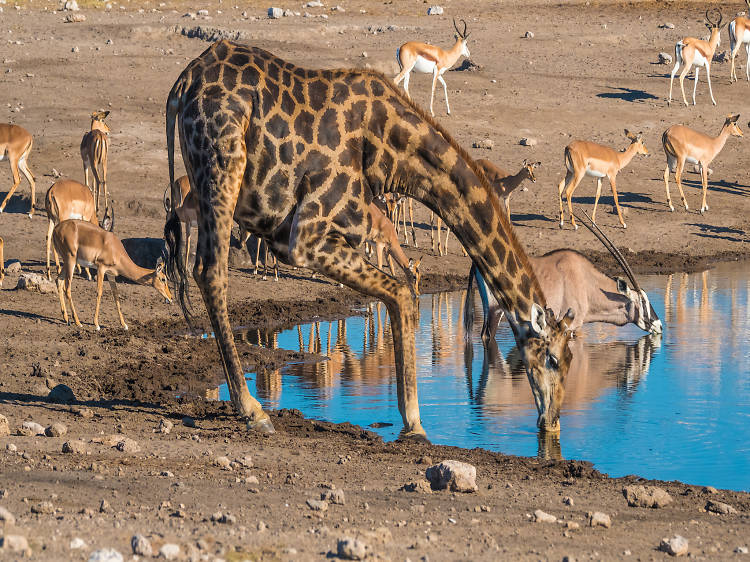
x: 296, y: 156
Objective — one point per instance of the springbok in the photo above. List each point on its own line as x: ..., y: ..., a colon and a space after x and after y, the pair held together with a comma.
x: 504, y: 182
x: 571, y: 281
x: 384, y: 237
x: 186, y: 209
x: 739, y: 35
x: 683, y: 144
x: 2, y: 262
x: 91, y: 246
x: 94, y: 149
x: 696, y: 53
x: 68, y: 199
x: 429, y: 59
x: 583, y: 158
x: 15, y: 145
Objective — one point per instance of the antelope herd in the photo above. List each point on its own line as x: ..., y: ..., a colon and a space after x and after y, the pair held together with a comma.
x: 321, y: 221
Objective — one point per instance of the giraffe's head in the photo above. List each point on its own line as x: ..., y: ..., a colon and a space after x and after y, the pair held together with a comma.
x: 463, y: 37
x: 546, y: 356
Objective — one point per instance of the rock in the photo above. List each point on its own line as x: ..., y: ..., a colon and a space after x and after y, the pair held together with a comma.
x: 338, y: 9
x: 666, y: 26
x: 486, y: 144
x: 104, y: 507
x: 314, y: 4
x: 74, y: 18
x: 288, y: 13
x: 85, y: 413
x: 31, y: 428
x: 11, y: 448
x: 275, y: 13
x: 76, y: 447
x: 223, y: 462
x: 422, y: 486
x: 109, y: 42
x: 527, y: 141
x: 741, y: 550
x: 720, y: 508
x: 350, y: 548
x: 528, y: 35
x: 202, y: 12
x: 56, y: 430
x: 468, y: 65
x: 676, y: 546
x: 43, y: 508
x: 317, y: 505
x: 15, y: 543
x: 246, y: 461
x: 456, y: 475
x: 36, y: 282
x: 71, y: 6
x: 665, y: 58
x: 599, y: 519
x: 74, y: 50
x: 542, y: 517
x: 646, y: 496
x: 165, y: 426
x: 261, y: 526
x: 12, y: 266
x: 4, y: 426
x: 435, y: 11
x: 105, y: 555
x: 61, y: 394
x: 169, y: 551
x: 709, y: 490
x: 567, y: 500
x: 335, y: 496
x: 572, y: 525
x: 7, y: 517
x: 77, y: 543
x: 141, y: 546
x: 127, y: 445
x: 187, y: 421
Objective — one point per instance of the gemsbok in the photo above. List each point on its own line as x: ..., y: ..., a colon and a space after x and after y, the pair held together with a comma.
x: 583, y: 158
x: 571, y: 281
x: 506, y: 183
x: 91, y: 246
x: 94, y: 149
x: 696, y: 53
x: 683, y: 144
x: 68, y: 199
x: 186, y: 209
x: 429, y: 59
x: 15, y: 145
x: 739, y: 36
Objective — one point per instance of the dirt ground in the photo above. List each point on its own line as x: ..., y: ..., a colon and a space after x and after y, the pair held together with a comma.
x: 589, y: 72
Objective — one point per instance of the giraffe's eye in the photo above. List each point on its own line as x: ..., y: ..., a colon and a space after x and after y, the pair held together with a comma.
x: 553, y: 361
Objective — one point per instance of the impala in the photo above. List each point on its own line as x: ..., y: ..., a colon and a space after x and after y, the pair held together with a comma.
x: 504, y: 182
x: 2, y: 262
x: 429, y: 59
x: 384, y: 237
x: 683, y: 144
x: 571, y: 281
x: 739, y: 35
x: 584, y: 158
x: 15, y: 145
x: 94, y: 148
x: 89, y: 245
x: 186, y: 209
x: 68, y: 199
x: 696, y: 53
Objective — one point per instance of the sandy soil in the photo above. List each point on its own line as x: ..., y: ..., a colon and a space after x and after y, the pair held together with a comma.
x: 589, y: 72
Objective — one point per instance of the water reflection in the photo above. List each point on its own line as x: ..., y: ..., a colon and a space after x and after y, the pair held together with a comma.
x: 664, y: 407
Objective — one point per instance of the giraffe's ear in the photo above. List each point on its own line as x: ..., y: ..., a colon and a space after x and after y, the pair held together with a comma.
x: 538, y: 320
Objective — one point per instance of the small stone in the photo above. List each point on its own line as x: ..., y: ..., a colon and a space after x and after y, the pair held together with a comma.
x: 223, y: 462
x: 15, y: 543
x: 317, y: 505
x: 74, y: 50
x: 646, y: 496
x: 275, y: 13
x: 314, y: 4
x: 350, y: 548
x: 261, y: 526
x: 486, y: 144
x: 166, y: 474
x: 74, y: 18
x: 456, y: 475
x: 13, y: 266
x: 35, y: 282
x: 572, y: 525
x: 187, y: 421
x: 105, y: 555
x: 61, y: 394
x: 7, y: 517
x: 127, y: 445
x: 75, y: 447
x: 169, y: 551
x: 528, y: 35
x: 527, y: 141
x: 435, y: 11
x: 246, y: 461
x: 335, y: 496
x: 567, y: 500
x: 202, y: 12
x: 165, y: 426
x: 542, y: 517
x: 676, y: 546
x: 599, y: 519
x: 56, y: 430
x: 71, y: 6
x: 109, y: 42
x: 85, y: 413
x: 11, y: 448
x: 43, y: 508
x: 667, y: 26
x: 31, y: 428
x: 104, y: 506
x: 424, y: 460
x: 709, y: 490
x: 4, y: 426
x: 720, y: 508
x: 741, y: 550
x: 77, y: 543
x: 665, y: 58
x: 421, y: 486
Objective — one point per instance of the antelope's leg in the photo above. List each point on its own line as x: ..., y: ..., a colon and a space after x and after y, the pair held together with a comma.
x: 569, y: 194
x: 99, y: 286
x: 257, y: 255
x: 330, y: 254
x: 411, y: 220
x: 68, y: 265
x: 432, y: 229
x: 61, y: 294
x: 732, y: 55
x: 684, y: 72
x: 188, y: 232
x: 671, y: 79
x: 708, y: 77
x: 23, y: 165
x: 596, y: 198
x: 116, y: 296
x: 704, y: 181
x: 560, y: 188
x: 666, y: 186
x: 747, y: 62
x: 695, y: 84
x: 678, y: 179
x: 613, y: 184
x: 86, y: 175
x: 445, y: 90
x: 16, y: 182
x: 50, y: 228
x: 218, y: 191
x: 447, y: 234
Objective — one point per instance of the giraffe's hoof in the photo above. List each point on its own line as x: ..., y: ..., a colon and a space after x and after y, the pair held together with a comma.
x: 264, y: 426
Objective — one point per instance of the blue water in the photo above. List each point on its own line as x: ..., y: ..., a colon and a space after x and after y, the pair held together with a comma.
x: 675, y: 407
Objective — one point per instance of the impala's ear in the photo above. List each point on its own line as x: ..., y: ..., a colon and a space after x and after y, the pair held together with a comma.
x: 630, y: 135
x: 537, y: 164
x: 104, y: 114
x: 566, y: 320
x: 735, y: 118
x: 538, y: 320
x: 525, y: 162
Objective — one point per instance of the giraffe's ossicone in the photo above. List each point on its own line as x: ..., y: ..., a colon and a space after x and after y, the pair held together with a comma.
x: 295, y: 156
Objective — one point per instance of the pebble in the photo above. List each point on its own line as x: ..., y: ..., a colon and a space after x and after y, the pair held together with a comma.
x: 486, y: 144
x: 74, y: 18
x: 275, y: 13
x: 202, y: 12
x: 527, y: 141
x: 15, y: 543
x: 599, y: 519
x: 667, y: 26
x: 13, y: 266
x: 456, y: 475
x: 709, y: 490
x: 4, y: 426
x: 61, y: 394
x: 77, y: 543
x: 720, y: 508
x: 676, y: 546
x: 76, y: 446
x: 36, y: 282
x: 187, y: 421
x: 56, y: 430
x: 335, y: 495
x: 71, y: 6
x: 127, y: 445
x: 572, y: 525
x: 529, y: 35
x: 141, y: 546
x: 74, y: 50
x: 246, y: 461
x: 646, y: 496
x: 350, y: 548
x: 261, y: 526
x: 567, y: 500
x: 105, y: 555
x: 314, y: 4
x: 223, y: 462
x: 85, y: 413
x: 104, y: 506
x: 317, y: 505
x: 421, y: 486
x: 435, y: 11
x: 542, y: 517
x: 43, y: 508
x: 665, y: 58
x: 741, y: 550
x: 165, y: 426
x: 31, y: 428
x: 7, y: 517
x: 11, y: 448
x: 166, y: 474
x: 169, y: 551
